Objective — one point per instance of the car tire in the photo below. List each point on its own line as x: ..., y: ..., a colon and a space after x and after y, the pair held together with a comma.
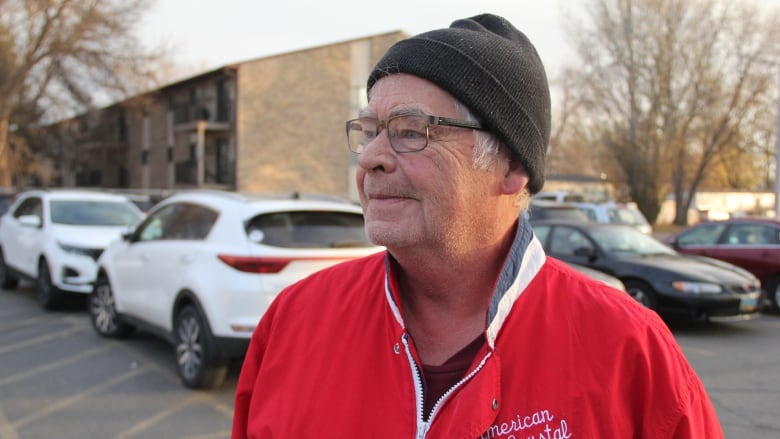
x: 198, y: 365
x: 102, y: 311
x: 641, y: 292
x: 7, y: 280
x: 48, y: 296
x: 773, y: 293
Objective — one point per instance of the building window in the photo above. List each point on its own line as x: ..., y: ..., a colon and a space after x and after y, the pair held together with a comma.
x: 121, y: 127
x: 145, y: 157
x: 223, y: 101
x: 88, y: 178
x: 218, y: 164
x: 186, y: 172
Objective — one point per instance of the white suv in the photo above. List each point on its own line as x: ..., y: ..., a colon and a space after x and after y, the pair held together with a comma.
x: 616, y: 213
x: 205, y: 265
x: 54, y: 237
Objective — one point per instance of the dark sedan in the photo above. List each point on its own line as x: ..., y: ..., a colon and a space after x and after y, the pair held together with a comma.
x: 654, y: 274
x: 751, y: 243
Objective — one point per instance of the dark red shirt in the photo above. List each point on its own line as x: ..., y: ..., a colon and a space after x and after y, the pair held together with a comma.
x: 439, y: 379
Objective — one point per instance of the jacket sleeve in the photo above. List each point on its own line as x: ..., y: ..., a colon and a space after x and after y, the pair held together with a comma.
x: 249, y: 371
x: 690, y: 413
x: 698, y: 417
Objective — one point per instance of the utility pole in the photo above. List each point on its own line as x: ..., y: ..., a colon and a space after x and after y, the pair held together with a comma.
x: 777, y: 148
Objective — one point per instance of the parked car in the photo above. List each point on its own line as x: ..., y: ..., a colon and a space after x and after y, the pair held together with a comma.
x: 54, y: 237
x: 600, y: 276
x: 654, y: 274
x: 616, y: 213
x: 204, y: 266
x: 554, y: 210
x: 6, y: 199
x: 751, y: 243
x: 558, y: 196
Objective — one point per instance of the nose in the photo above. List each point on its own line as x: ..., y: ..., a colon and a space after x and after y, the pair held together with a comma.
x: 377, y: 154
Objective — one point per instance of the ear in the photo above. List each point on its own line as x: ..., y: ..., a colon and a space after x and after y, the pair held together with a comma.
x: 515, y: 179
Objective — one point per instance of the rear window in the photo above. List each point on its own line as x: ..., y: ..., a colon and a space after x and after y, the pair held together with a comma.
x: 308, y: 229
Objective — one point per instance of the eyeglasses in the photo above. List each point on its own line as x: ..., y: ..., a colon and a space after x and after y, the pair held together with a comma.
x: 407, y: 132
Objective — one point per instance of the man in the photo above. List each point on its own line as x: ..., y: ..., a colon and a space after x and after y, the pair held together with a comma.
x: 463, y: 328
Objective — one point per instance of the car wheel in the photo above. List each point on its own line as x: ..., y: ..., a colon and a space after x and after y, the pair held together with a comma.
x: 199, y: 366
x: 102, y: 311
x: 641, y: 292
x: 49, y: 297
x: 7, y: 280
x: 773, y: 292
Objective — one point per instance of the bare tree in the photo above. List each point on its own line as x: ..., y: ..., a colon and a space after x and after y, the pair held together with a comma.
x: 59, y: 57
x: 570, y: 150
x: 672, y: 87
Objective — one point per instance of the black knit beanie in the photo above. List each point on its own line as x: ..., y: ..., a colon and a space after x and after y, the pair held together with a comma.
x: 494, y: 70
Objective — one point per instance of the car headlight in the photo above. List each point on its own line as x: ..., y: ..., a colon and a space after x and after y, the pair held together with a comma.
x: 75, y: 249
x: 697, y: 287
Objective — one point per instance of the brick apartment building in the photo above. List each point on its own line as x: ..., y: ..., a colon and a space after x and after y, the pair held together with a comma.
x: 273, y: 124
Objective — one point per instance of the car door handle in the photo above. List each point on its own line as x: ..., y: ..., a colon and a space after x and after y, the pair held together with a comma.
x: 185, y: 259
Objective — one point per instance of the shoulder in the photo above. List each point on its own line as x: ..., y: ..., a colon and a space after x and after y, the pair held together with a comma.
x: 570, y: 289
x: 593, y: 325
x: 593, y: 308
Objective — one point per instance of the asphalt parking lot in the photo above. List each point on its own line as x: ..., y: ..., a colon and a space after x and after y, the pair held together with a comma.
x: 58, y: 379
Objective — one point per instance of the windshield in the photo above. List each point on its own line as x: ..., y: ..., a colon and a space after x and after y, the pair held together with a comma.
x: 628, y: 240
x: 624, y: 215
x: 94, y: 213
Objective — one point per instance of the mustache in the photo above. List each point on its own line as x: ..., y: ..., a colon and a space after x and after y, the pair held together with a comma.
x: 387, y: 190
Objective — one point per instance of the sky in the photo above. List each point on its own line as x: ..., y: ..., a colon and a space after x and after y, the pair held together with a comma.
x: 207, y: 34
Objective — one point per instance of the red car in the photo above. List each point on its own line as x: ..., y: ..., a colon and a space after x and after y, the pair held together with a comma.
x: 751, y: 243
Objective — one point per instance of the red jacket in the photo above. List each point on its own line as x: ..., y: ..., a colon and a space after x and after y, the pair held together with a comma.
x: 566, y: 357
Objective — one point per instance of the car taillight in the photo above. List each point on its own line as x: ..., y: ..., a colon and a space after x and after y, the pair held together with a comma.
x: 253, y: 264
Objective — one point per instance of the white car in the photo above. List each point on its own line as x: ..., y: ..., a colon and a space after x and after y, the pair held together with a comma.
x: 54, y: 237
x: 205, y: 265
x: 616, y: 213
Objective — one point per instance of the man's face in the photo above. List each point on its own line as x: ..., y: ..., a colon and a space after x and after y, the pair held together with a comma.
x: 434, y: 197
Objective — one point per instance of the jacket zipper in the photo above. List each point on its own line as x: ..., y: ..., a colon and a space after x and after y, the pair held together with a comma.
x: 449, y: 392
x: 422, y: 425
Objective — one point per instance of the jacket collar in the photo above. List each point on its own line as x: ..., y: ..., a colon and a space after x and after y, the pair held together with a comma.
x: 523, y: 261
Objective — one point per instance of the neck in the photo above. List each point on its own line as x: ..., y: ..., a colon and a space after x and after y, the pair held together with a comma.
x: 445, y: 297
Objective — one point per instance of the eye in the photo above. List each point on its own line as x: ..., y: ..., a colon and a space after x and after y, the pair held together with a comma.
x: 366, y: 129
x: 409, y: 128
x: 409, y: 134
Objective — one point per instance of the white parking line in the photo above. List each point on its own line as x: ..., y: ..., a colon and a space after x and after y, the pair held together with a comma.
x: 40, y: 339
x: 50, y: 366
x: 210, y: 399
x: 32, y: 321
x: 65, y: 403
x: 154, y: 420
x: 7, y: 431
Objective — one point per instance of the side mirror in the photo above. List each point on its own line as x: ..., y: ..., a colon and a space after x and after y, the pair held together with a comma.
x: 30, y: 221
x: 587, y: 252
x: 127, y: 233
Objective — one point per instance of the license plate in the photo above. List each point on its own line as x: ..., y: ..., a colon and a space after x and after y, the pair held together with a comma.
x: 748, y: 304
